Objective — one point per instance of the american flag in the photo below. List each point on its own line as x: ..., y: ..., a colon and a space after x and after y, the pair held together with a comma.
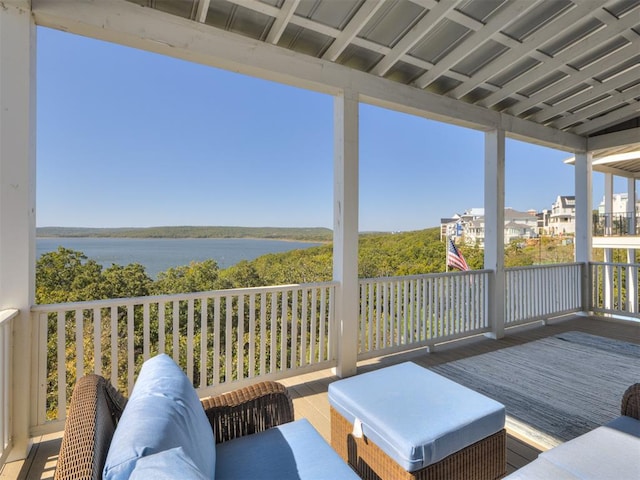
x: 455, y: 258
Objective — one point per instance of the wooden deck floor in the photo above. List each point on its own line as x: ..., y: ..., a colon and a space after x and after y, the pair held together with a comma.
x: 309, y: 391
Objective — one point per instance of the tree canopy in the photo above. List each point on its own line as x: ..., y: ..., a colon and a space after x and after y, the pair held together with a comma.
x: 66, y: 275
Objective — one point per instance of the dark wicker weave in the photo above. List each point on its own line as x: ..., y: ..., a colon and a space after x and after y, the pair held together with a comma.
x: 248, y: 410
x: 96, y: 408
x: 484, y: 460
x: 631, y: 402
x: 93, y: 414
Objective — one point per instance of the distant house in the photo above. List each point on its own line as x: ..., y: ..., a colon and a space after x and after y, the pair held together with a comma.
x: 562, y: 220
x: 619, y: 205
x: 450, y: 227
x: 470, y: 225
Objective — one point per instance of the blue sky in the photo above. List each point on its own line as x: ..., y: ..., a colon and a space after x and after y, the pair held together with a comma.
x: 132, y: 139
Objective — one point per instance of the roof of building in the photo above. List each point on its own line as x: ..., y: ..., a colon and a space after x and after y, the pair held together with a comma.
x: 567, y: 201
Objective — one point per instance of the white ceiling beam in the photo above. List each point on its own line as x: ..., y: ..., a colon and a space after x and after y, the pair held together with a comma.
x: 426, y: 4
x: 621, y: 115
x: 282, y: 20
x: 580, y: 48
x: 257, y: 6
x: 588, y: 94
x: 614, y: 100
x: 618, y: 172
x: 328, y: 31
x: 21, y: 4
x: 617, y: 158
x: 203, y: 9
x: 359, y: 20
x: 147, y: 29
x: 415, y: 34
x: 615, y: 139
x: 530, y: 44
x: 271, y: 11
x: 465, y: 20
x: 604, y: 168
x: 572, y: 78
x: 475, y: 40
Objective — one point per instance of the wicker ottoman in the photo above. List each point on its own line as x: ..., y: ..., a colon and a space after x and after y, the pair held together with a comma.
x: 407, y: 422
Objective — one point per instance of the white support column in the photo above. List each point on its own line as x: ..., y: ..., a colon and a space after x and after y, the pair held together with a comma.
x: 345, y: 229
x: 494, y: 166
x: 584, y: 220
x: 608, y: 204
x: 632, y: 273
x: 607, y: 288
x: 17, y: 202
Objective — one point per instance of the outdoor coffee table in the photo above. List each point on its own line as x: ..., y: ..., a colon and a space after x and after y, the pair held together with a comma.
x: 407, y: 422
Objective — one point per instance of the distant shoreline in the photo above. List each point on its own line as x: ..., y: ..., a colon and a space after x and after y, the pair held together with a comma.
x: 310, y: 235
x: 50, y: 237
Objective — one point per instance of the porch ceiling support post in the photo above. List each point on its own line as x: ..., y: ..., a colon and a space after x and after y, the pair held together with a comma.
x: 632, y: 272
x: 608, y: 203
x: 607, y: 291
x: 494, y: 166
x: 584, y: 219
x: 17, y: 201
x: 345, y: 229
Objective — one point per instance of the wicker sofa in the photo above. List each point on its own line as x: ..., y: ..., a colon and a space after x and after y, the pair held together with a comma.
x: 611, y: 451
x: 253, y: 429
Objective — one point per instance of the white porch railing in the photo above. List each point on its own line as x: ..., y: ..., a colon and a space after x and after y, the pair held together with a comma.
x: 615, y: 288
x: 407, y: 312
x: 541, y: 291
x: 222, y: 339
x: 6, y: 353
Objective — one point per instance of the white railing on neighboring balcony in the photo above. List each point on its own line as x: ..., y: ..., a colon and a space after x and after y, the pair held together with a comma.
x: 400, y: 313
x: 221, y: 339
x: 6, y: 353
x: 615, y: 288
x: 541, y: 291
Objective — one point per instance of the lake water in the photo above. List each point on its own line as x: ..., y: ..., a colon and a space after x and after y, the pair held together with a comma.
x: 159, y: 254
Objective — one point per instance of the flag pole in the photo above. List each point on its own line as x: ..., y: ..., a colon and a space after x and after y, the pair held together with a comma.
x: 446, y: 254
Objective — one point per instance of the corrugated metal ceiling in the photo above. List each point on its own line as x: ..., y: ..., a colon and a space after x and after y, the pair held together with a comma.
x: 573, y: 65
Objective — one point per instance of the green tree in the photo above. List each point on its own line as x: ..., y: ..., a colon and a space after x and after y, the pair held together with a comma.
x: 195, y: 277
x: 129, y: 281
x: 67, y: 276
x: 241, y: 275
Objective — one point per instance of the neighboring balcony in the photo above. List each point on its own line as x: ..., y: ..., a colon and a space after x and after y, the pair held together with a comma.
x: 616, y: 230
x: 616, y: 225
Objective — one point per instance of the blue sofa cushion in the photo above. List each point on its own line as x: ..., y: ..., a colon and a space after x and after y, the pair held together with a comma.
x: 291, y: 451
x: 163, y: 413
x: 414, y: 415
x: 166, y: 465
x: 611, y: 451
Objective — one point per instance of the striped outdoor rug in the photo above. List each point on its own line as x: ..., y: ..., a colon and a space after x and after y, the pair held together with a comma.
x: 554, y: 389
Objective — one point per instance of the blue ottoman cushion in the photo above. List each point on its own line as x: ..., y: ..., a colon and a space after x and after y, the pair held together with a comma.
x: 291, y: 451
x: 414, y: 415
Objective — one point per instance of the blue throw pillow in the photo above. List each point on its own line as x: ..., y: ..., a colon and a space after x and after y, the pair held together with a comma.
x: 163, y: 413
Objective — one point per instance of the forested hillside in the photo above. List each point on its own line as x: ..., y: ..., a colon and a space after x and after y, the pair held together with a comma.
x: 66, y: 275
